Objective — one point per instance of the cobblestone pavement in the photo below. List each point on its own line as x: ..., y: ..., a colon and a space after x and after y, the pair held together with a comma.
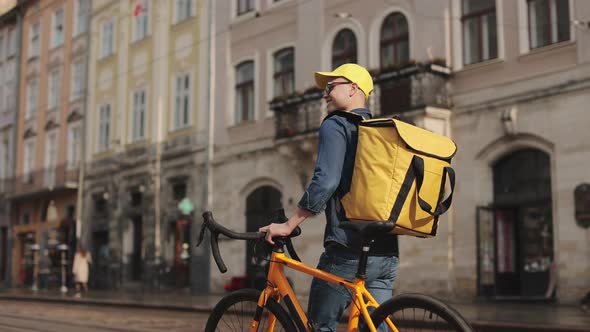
x: 35, y: 316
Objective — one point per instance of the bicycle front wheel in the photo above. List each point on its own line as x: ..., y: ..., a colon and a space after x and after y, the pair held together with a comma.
x: 419, y: 312
x: 235, y: 312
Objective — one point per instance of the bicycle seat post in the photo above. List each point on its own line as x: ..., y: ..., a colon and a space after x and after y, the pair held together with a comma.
x: 363, y: 259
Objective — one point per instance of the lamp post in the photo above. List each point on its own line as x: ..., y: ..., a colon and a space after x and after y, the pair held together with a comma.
x: 34, y: 250
x: 63, y: 248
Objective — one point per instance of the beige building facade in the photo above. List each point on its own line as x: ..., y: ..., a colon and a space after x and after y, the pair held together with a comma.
x: 49, y: 131
x: 506, y: 80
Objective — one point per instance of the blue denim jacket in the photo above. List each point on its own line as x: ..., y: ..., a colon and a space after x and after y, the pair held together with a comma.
x: 332, y: 177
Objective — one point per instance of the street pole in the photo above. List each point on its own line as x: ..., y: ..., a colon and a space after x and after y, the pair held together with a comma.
x: 63, y: 248
x: 200, y: 259
x: 35, y: 249
x: 210, y: 108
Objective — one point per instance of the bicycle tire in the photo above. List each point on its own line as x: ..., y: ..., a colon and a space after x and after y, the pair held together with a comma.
x: 419, y: 312
x: 235, y: 313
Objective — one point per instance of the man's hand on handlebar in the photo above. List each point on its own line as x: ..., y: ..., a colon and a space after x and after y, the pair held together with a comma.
x: 274, y: 230
x: 284, y: 229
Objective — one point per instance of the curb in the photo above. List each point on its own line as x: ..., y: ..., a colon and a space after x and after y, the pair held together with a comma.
x: 110, y: 303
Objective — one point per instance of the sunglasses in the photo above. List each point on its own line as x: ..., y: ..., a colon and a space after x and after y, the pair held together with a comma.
x: 331, y: 86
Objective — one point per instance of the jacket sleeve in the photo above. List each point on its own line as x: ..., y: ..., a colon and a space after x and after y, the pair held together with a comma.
x: 328, y: 169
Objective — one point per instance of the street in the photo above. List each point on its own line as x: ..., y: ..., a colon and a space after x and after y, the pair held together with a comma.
x: 26, y: 316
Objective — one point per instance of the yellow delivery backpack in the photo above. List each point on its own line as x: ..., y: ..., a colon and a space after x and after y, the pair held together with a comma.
x: 400, y: 174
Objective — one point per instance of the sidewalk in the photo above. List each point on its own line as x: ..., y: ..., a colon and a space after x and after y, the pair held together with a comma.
x: 484, y: 316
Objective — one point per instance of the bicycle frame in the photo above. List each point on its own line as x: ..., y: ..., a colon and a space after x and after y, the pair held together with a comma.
x: 279, y: 288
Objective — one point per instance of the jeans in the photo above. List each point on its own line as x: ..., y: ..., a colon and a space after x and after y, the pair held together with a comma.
x: 327, y: 301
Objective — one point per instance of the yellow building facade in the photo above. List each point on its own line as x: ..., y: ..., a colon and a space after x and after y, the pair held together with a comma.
x: 143, y: 139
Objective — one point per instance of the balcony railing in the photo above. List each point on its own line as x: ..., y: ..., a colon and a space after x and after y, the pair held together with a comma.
x: 397, y: 90
x: 59, y: 177
x: 297, y: 114
x: 411, y: 87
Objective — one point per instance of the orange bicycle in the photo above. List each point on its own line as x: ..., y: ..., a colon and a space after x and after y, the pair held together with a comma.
x: 276, y: 308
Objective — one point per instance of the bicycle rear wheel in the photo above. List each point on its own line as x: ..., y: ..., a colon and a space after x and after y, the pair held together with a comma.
x: 235, y: 312
x: 419, y: 312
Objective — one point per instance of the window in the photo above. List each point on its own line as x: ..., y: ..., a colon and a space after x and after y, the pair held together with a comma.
x: 34, y: 40
x: 139, y: 112
x: 57, y: 28
x: 179, y: 191
x: 11, y: 42
x: 82, y: 9
x: 183, y: 9
x: 1, y: 95
x: 344, y: 48
x: 245, y: 6
x: 104, y: 127
x: 54, y: 89
x: 182, y: 107
x: 1, y: 47
x: 26, y: 218
x: 78, y: 80
x: 32, y: 94
x: 284, y: 72
x: 141, y: 19
x: 28, y: 160
x: 74, y: 141
x: 245, y: 91
x: 9, y: 96
x: 50, y: 158
x: 107, y: 44
x: 479, y: 30
x: 395, y: 46
x: 549, y: 22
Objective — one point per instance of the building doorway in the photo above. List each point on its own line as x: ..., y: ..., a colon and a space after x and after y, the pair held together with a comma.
x: 25, y: 273
x: 136, y: 264
x: 260, y: 206
x: 515, y: 234
x: 181, y: 252
x: 102, y: 278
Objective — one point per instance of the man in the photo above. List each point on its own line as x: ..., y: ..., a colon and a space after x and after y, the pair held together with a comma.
x: 346, y: 89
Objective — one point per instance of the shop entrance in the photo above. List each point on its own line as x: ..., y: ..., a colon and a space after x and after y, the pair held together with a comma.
x: 515, y: 234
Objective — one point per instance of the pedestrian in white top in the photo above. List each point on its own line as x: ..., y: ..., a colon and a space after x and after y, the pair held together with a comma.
x: 80, y: 269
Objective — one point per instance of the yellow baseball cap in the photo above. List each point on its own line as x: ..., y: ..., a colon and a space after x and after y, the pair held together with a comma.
x: 352, y: 72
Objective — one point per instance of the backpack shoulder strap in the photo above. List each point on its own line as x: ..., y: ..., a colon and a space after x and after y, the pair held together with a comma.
x: 352, y: 117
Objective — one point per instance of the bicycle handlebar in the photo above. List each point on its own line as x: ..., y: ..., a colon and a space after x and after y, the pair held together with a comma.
x: 216, y: 229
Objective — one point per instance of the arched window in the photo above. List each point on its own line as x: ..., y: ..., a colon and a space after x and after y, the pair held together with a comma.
x: 245, y: 91
x: 395, y: 45
x: 344, y: 48
x: 284, y: 72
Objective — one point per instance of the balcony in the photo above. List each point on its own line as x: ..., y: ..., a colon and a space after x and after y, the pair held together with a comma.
x: 41, y: 181
x: 397, y: 91
x: 298, y: 114
x: 409, y: 88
